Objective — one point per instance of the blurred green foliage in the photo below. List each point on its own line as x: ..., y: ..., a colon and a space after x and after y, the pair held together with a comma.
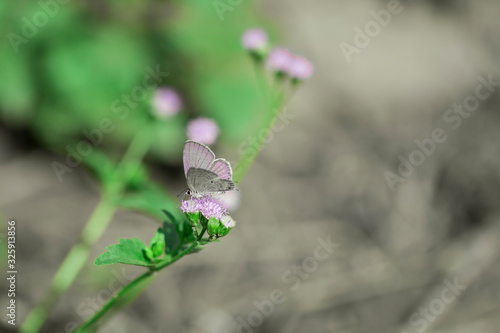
x: 71, y: 70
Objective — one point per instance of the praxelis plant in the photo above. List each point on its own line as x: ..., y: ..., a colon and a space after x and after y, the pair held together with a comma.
x: 202, y: 217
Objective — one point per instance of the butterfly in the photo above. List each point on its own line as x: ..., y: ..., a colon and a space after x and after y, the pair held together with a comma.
x: 205, y: 174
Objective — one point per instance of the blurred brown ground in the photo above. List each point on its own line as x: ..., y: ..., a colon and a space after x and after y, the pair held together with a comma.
x: 323, y: 175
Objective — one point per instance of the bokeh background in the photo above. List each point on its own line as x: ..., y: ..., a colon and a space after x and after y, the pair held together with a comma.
x: 322, y: 176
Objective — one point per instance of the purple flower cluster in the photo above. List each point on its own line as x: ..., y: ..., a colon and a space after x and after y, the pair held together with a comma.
x: 207, y: 205
x: 203, y: 130
x: 279, y: 59
x: 254, y: 39
x: 166, y: 102
x: 296, y: 66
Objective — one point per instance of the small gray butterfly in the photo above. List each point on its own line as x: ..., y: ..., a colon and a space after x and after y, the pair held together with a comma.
x: 204, y: 173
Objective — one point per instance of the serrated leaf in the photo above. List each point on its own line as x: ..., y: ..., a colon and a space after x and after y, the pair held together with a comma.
x: 128, y: 251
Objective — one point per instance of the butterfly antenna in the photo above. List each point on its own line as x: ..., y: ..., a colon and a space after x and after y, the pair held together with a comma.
x: 178, y: 203
x: 179, y: 195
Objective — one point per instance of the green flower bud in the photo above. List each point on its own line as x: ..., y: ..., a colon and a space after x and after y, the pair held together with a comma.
x: 259, y: 55
x: 157, y: 243
x: 203, y: 221
x: 213, y: 226
x: 148, y: 253
x: 222, y: 230
x: 158, y: 248
x: 193, y: 218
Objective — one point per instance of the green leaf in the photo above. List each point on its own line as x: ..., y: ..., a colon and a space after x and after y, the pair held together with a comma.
x: 150, y: 199
x: 17, y: 93
x: 171, y: 235
x: 128, y: 251
x: 181, y: 226
x: 186, y: 233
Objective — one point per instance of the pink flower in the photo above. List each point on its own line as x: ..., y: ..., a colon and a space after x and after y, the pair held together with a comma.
x: 166, y: 102
x: 300, y: 68
x: 190, y: 206
x: 211, y: 207
x: 203, y: 130
x: 279, y: 59
x: 208, y: 206
x: 295, y: 66
x: 254, y: 39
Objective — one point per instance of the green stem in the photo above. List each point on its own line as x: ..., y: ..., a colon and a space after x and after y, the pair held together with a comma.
x: 139, y: 146
x: 202, y: 232
x: 93, y: 230
x: 71, y: 266
x: 260, y: 76
x: 129, y: 292
x: 252, y: 148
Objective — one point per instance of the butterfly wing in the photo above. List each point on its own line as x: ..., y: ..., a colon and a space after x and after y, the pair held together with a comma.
x: 204, y: 173
x: 197, y: 155
x: 216, y: 186
x: 222, y: 168
x: 197, y: 179
x: 201, y: 181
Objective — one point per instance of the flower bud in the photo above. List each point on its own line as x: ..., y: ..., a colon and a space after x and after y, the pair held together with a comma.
x: 222, y: 230
x: 166, y: 102
x: 255, y: 41
x: 148, y: 253
x: 300, y: 68
x: 193, y: 218
x: 203, y: 130
x: 158, y: 247
x: 213, y: 226
x: 157, y: 243
x: 279, y: 60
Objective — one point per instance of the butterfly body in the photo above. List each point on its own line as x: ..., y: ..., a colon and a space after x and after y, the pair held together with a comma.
x: 205, y: 175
